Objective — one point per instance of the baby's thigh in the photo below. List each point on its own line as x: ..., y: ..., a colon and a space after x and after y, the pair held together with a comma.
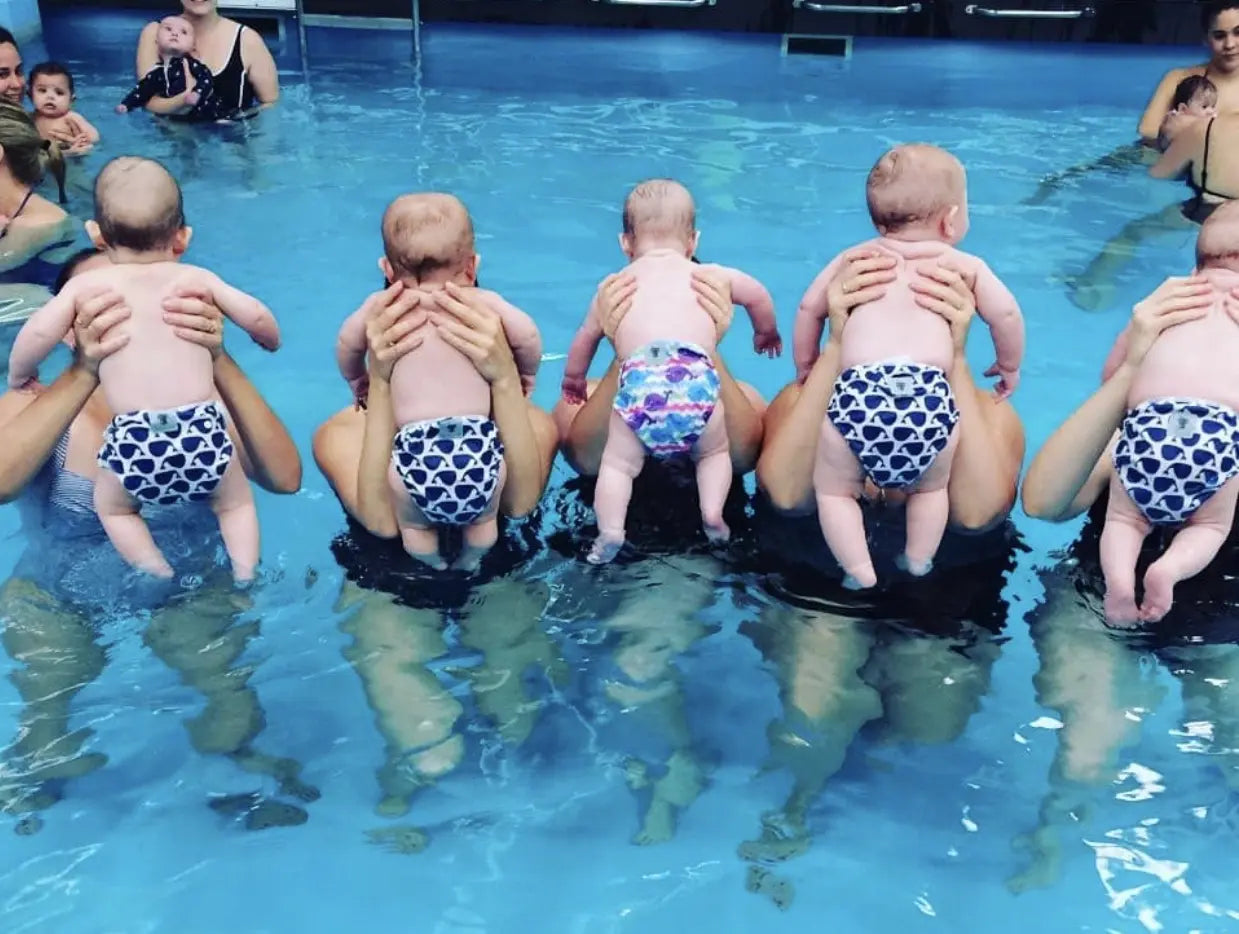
x: 837, y: 471
x: 624, y: 449
x: 714, y: 438
x: 1218, y: 511
x: 939, y: 472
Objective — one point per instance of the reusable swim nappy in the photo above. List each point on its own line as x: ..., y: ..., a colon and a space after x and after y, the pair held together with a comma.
x: 667, y: 392
x: 169, y: 456
x: 1173, y: 454
x: 450, y: 466
x: 896, y: 416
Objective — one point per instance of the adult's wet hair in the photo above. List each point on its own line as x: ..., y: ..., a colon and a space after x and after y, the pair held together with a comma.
x: 27, y: 154
x: 69, y: 269
x: 7, y: 38
x: 1212, y: 9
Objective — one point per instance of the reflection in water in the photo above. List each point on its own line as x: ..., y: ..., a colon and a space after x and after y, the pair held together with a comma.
x: 199, y: 634
x: 405, y: 663
x: 835, y: 675
x: 1104, y: 690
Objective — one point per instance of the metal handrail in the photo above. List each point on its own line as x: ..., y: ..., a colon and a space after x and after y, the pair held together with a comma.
x: 856, y: 8
x: 659, y: 2
x: 973, y: 10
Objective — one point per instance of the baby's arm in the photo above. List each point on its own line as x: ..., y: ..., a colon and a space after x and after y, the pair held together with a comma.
x: 1118, y: 353
x: 203, y: 81
x: 147, y: 87
x: 82, y: 127
x: 1179, y: 154
x: 811, y: 319
x: 244, y: 310
x: 39, y: 336
x: 753, y: 297
x: 351, y: 346
x: 581, y: 354
x: 523, y: 338
x: 999, y: 309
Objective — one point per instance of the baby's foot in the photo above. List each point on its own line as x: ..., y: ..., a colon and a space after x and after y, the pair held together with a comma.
x: 717, y: 533
x: 863, y: 579
x: 470, y: 558
x: 432, y: 560
x: 606, y: 547
x: 1158, y: 593
x: 156, y: 567
x: 1121, y: 610
x: 917, y: 567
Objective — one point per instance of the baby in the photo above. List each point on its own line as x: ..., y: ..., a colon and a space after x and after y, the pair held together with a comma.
x: 1194, y: 96
x: 178, y: 72
x: 892, y: 415
x: 169, y: 441
x: 52, y: 93
x: 668, y: 400
x: 447, y: 458
x: 1177, y: 455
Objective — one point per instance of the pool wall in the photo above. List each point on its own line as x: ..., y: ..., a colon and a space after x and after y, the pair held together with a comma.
x: 21, y: 17
x: 1146, y: 21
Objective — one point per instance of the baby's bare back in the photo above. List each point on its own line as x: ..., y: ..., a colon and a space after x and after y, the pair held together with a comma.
x: 664, y: 307
x: 1195, y: 360
x: 895, y: 325
x: 435, y: 380
x: 156, y: 369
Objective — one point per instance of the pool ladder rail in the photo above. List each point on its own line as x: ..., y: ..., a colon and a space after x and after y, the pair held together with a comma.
x: 904, y: 9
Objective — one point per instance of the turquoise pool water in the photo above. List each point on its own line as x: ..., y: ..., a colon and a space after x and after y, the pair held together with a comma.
x: 541, y: 132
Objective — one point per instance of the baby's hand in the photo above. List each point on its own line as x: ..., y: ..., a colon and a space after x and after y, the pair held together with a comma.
x: 361, y: 390
x: 574, y: 389
x: 192, y: 97
x: 1007, y: 380
x: 528, y: 381
x: 122, y: 109
x: 768, y: 343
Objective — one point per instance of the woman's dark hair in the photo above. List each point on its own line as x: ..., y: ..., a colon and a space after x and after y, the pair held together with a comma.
x: 6, y: 38
x: 52, y: 70
x: 1212, y: 9
x: 68, y: 270
x: 27, y: 154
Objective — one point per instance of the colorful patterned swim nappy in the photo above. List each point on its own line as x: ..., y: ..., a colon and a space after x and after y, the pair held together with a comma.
x: 450, y: 466
x: 170, y: 456
x: 896, y: 416
x: 1173, y: 454
x: 667, y: 392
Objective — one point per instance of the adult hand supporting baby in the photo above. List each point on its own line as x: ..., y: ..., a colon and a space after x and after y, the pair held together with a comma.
x: 714, y: 298
x: 614, y: 300
x: 391, y: 329
x: 464, y: 321
x: 193, y: 316
x: 713, y: 293
x: 1178, y: 299
x: 95, y: 333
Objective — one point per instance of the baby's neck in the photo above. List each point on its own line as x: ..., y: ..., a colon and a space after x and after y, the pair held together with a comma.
x: 648, y: 247
x: 119, y: 255
x: 166, y: 55
x: 915, y: 233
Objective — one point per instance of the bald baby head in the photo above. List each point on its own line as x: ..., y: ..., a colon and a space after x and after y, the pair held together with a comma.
x: 138, y: 205
x: 660, y: 209
x: 428, y: 236
x: 914, y: 184
x: 1217, y: 246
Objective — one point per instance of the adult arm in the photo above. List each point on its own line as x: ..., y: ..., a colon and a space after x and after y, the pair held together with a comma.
x: 32, y: 423
x: 260, y: 66
x: 1072, y: 468
x: 785, y: 466
x: 1159, y: 105
x: 266, y: 450
x: 148, y: 50
x: 1182, y: 151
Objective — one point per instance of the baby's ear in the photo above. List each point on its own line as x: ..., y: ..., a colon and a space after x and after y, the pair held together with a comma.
x: 95, y: 235
x: 180, y: 242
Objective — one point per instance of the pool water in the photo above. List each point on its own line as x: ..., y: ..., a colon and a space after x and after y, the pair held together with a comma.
x: 541, y: 132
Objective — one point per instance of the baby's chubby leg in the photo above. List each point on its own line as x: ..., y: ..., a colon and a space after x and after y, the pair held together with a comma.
x: 622, y: 460
x: 837, y: 481
x: 1191, y: 550
x: 927, y: 511
x: 417, y: 533
x: 480, y: 537
x: 118, y: 514
x: 233, y: 504
x: 1124, y: 532
x: 713, y: 455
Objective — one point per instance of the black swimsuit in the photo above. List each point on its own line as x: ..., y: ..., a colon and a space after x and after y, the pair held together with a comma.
x: 1197, y: 209
x: 231, y: 96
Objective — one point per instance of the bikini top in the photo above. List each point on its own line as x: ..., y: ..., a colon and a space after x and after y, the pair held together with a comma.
x: 1202, y: 188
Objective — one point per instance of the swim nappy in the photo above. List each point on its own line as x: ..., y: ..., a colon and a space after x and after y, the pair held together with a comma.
x: 1173, y: 454
x: 450, y: 466
x: 168, y: 456
x: 896, y: 416
x: 667, y: 392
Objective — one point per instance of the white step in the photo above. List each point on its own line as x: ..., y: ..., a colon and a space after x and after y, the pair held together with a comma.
x: 274, y: 6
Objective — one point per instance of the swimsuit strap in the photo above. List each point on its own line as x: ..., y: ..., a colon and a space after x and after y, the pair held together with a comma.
x: 1204, y: 163
x: 16, y: 214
